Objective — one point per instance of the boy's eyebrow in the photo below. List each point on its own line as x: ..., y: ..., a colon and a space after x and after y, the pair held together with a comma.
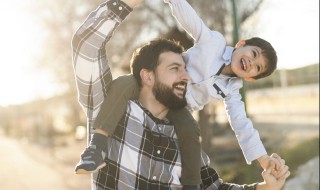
x: 257, y: 51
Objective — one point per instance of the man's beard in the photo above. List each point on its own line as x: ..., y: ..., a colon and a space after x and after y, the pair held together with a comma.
x: 166, y: 96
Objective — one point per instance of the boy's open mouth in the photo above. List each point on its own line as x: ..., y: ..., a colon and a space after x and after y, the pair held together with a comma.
x: 243, y: 64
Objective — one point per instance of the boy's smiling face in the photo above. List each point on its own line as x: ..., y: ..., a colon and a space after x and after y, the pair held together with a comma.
x: 247, y: 61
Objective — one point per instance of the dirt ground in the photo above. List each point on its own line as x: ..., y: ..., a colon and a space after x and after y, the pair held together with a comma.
x: 29, y: 167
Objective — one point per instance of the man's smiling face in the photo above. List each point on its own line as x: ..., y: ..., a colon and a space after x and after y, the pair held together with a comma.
x: 171, y: 80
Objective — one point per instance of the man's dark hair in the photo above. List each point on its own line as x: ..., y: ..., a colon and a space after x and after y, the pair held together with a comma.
x: 268, y: 52
x: 147, y: 57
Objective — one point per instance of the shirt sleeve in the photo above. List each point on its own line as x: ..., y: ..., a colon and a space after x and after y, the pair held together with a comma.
x: 91, y: 69
x: 189, y: 20
x: 228, y: 186
x: 247, y: 136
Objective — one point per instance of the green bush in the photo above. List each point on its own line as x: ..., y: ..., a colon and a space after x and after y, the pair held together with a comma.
x: 294, y: 157
x: 300, y: 154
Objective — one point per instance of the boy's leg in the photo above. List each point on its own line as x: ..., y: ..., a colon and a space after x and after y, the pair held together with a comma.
x: 112, y: 109
x: 122, y: 89
x: 188, y: 134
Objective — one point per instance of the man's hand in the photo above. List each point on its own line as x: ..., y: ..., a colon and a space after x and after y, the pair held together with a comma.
x: 272, y: 182
x: 132, y: 3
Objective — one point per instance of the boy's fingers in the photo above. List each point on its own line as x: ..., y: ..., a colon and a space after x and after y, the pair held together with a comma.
x: 272, y: 165
x: 280, y: 162
x: 282, y: 166
x: 284, y: 169
x: 274, y: 155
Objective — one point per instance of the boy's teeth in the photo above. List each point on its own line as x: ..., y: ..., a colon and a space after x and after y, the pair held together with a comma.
x: 244, y: 65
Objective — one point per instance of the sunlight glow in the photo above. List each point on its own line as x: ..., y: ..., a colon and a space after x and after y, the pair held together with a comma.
x: 21, y: 40
x: 292, y: 26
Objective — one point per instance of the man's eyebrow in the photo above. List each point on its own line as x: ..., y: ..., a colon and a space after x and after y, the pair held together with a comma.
x: 176, y: 64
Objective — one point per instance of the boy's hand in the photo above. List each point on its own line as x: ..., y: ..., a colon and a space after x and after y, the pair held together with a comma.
x: 270, y: 181
x: 265, y: 161
x: 277, y: 171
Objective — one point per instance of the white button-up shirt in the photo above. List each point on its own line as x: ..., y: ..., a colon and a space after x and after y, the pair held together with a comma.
x: 204, y: 62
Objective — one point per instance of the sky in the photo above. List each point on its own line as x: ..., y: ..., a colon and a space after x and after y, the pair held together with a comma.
x: 292, y: 27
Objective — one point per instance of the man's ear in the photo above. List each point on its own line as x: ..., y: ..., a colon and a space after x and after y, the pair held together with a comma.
x: 146, y: 77
x: 240, y: 43
x: 249, y: 79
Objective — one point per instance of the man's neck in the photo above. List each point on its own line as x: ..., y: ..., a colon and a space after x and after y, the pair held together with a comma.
x: 149, y: 102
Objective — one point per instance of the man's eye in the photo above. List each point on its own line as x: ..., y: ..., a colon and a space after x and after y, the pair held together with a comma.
x: 258, y: 68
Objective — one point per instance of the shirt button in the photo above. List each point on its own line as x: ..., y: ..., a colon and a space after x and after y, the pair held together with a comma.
x: 114, y: 3
x: 154, y: 177
x: 120, y: 8
x: 158, y: 152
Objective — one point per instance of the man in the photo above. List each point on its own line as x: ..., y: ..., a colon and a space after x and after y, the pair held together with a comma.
x: 143, y: 152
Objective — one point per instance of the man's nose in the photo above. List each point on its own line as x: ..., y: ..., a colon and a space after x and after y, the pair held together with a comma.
x: 185, y: 76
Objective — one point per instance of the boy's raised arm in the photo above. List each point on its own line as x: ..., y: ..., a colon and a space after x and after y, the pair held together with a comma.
x: 189, y: 20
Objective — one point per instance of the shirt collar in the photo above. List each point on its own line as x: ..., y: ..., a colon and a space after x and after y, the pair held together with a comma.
x: 226, y: 58
x: 164, y: 121
x: 228, y: 54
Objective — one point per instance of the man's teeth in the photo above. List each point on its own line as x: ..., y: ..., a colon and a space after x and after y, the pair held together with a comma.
x: 180, y: 86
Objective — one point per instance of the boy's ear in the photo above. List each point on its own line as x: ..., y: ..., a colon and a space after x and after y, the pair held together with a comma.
x: 249, y: 79
x: 240, y: 43
x: 146, y: 77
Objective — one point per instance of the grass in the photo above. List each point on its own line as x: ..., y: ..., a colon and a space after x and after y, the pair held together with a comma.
x: 294, y: 157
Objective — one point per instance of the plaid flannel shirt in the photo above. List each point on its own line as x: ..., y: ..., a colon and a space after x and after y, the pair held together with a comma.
x: 143, y: 152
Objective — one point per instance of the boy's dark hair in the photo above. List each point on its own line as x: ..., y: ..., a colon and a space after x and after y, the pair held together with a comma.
x: 147, y: 57
x: 269, y: 53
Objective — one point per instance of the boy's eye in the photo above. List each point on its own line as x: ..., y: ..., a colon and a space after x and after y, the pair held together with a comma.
x: 258, y: 68
x: 254, y: 54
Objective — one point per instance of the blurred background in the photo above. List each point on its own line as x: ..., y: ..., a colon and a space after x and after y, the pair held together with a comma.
x: 42, y: 127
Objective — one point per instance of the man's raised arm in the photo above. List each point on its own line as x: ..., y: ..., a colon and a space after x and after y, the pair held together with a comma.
x: 92, y: 72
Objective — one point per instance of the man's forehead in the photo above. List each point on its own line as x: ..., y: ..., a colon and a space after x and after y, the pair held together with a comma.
x: 171, y: 57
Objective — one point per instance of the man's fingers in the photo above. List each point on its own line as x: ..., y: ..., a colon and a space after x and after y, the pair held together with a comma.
x: 285, y: 176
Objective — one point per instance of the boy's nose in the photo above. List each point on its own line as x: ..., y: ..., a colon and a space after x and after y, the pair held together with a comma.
x: 251, y: 62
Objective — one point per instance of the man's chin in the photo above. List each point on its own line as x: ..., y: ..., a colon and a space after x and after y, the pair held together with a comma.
x: 180, y: 95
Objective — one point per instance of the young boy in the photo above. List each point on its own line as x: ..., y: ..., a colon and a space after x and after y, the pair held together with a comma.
x: 216, y: 72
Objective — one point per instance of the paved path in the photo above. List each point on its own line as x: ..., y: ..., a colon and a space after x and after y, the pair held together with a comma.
x: 19, y: 171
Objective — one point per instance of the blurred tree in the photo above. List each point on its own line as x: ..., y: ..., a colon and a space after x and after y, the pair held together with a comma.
x: 60, y: 18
